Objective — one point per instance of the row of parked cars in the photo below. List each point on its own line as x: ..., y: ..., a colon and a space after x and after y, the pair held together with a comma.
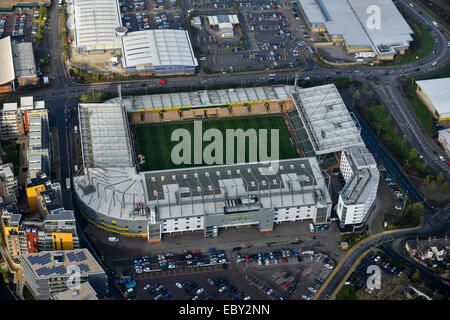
x: 387, y: 266
x: 278, y: 256
x: 142, y: 264
x: 193, y: 290
x: 158, y: 291
x: 166, y: 261
x: 225, y: 287
x: 393, y: 186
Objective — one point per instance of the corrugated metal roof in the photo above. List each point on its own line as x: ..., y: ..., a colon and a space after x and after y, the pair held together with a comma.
x: 437, y: 90
x: 158, y: 48
x: 96, y: 21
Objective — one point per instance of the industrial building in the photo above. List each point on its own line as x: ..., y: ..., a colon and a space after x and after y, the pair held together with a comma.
x: 444, y: 139
x: 10, y: 5
x: 95, y: 22
x: 328, y: 123
x: 24, y: 63
x: 158, y: 51
x: 351, y: 23
x: 224, y: 23
x: 435, y: 94
x: 357, y: 198
x: 47, y: 274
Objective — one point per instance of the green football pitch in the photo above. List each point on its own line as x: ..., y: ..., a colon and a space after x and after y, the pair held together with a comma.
x: 154, y: 141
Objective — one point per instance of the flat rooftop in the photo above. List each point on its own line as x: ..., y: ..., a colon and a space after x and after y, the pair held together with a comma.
x: 23, y: 57
x: 327, y: 121
x: 105, y: 138
x: 83, y: 292
x: 51, y: 264
x: 438, y: 92
x: 204, y: 98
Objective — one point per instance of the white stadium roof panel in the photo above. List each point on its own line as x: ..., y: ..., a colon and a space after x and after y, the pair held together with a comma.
x: 327, y: 121
x: 7, y: 66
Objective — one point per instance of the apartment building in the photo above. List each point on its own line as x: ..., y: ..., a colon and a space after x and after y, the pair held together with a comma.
x: 48, y: 274
x: 9, y: 121
x: 8, y: 182
x: 52, y: 232
x: 357, y: 197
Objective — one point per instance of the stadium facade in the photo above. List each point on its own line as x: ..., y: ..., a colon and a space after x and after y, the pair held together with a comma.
x: 112, y: 193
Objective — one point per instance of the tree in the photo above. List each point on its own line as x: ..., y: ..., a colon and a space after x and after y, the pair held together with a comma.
x: 416, y: 275
x: 356, y: 96
x: 432, y: 187
x: 413, y: 153
x: 440, y: 178
x: 444, y: 187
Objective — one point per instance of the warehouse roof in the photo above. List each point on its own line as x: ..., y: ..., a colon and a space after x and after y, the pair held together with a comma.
x: 23, y: 57
x: 96, y: 21
x: 437, y: 90
x: 198, y: 99
x: 104, y: 135
x: 7, y: 66
x: 157, y: 48
x: 329, y: 124
x: 349, y: 19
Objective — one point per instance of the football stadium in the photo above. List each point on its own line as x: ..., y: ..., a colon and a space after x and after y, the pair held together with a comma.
x: 130, y: 184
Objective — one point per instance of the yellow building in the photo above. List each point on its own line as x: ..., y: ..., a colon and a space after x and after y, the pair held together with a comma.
x: 62, y: 241
x: 33, y: 189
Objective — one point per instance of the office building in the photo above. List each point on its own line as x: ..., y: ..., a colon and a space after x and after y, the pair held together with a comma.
x: 357, y: 198
x: 48, y: 274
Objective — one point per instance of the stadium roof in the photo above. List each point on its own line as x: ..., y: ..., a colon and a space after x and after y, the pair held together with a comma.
x: 437, y: 90
x: 157, y: 48
x: 95, y: 22
x: 105, y: 139
x: 50, y: 264
x: 204, y: 98
x: 10, y: 4
x: 327, y: 121
x: 7, y: 66
x: 113, y: 192
x: 116, y: 192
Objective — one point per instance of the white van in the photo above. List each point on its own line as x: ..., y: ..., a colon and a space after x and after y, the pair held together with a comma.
x: 434, y: 63
x: 113, y: 239
x: 435, y: 24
